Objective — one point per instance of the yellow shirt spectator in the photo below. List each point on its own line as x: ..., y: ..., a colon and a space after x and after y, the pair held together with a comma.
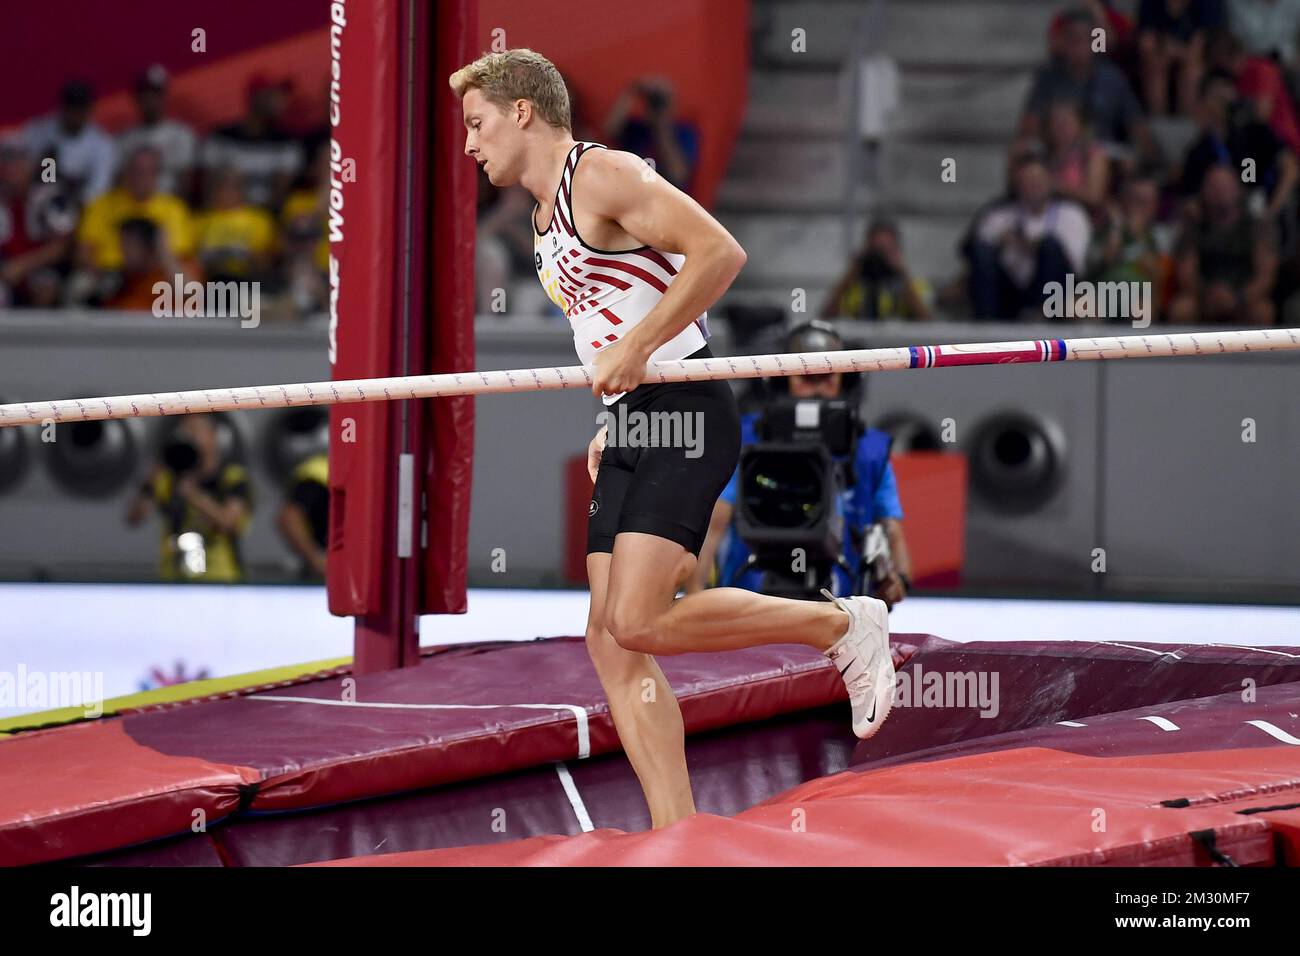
x: 303, y: 207
x: 221, y: 559
x: 100, y: 222
x: 230, y: 240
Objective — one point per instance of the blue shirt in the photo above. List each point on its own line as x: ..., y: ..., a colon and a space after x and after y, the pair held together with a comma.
x: 638, y: 137
x: 872, y: 498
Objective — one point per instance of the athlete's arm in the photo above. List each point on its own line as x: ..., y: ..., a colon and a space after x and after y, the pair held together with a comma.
x: 620, y: 187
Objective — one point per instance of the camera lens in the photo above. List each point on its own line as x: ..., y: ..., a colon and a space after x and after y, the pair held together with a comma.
x: 784, y: 491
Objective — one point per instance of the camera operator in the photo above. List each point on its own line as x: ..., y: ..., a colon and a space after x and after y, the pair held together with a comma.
x: 204, y: 502
x: 644, y: 121
x: 303, y: 520
x: 871, y: 501
x: 878, y: 283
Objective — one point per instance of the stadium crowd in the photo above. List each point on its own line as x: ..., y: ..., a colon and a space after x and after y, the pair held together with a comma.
x: 1158, y: 148
x: 93, y: 220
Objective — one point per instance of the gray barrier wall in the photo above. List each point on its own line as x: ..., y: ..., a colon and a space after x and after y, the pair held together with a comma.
x: 1142, y: 459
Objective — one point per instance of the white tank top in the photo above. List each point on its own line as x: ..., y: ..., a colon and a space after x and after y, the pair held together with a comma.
x: 602, y: 293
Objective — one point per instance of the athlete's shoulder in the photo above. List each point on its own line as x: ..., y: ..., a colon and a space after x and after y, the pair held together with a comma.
x: 603, y: 168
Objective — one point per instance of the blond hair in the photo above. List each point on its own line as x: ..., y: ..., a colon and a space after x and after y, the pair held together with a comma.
x: 519, y: 74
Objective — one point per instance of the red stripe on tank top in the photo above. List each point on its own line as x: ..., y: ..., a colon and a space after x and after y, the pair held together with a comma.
x: 559, y: 211
x: 565, y: 273
x: 629, y: 269
x: 616, y: 282
x: 658, y: 259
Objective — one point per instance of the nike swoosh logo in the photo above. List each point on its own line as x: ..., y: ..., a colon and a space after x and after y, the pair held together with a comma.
x: 872, y: 716
x: 845, y: 668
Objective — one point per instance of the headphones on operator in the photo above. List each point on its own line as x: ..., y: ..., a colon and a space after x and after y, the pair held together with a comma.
x: 820, y: 336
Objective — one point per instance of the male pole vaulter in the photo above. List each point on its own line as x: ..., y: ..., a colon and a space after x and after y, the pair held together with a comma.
x: 633, y: 263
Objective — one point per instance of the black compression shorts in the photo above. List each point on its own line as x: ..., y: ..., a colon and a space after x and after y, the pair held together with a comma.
x: 665, y: 491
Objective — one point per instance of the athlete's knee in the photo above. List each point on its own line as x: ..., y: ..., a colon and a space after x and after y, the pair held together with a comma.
x: 632, y: 628
x: 601, y: 647
x: 619, y: 670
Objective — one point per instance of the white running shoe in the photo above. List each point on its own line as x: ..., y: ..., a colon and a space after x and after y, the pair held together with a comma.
x: 863, y: 659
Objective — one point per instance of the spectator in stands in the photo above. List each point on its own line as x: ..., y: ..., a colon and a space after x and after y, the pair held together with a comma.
x: 304, y: 240
x: 1119, y: 29
x: 37, y: 221
x: 1226, y: 260
x: 319, y: 131
x: 1266, y: 28
x: 83, y: 153
x: 173, y: 139
x: 1019, y: 245
x: 1128, y: 248
x: 1259, y: 80
x: 138, y: 197
x: 1110, y: 109
x: 1269, y: 29
x: 643, y: 121
x: 204, y: 501
x: 1232, y: 136
x: 234, y: 240
x: 1171, y: 49
x: 145, y: 262
x: 1077, y: 163
x: 304, y: 516
x: 877, y: 283
x: 265, y: 156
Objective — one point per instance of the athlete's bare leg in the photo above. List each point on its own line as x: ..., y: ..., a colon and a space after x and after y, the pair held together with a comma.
x: 643, y: 616
x: 644, y: 709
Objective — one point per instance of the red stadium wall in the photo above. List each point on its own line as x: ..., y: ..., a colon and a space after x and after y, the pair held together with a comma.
x: 600, y: 48
x: 703, y: 47
x: 250, y: 34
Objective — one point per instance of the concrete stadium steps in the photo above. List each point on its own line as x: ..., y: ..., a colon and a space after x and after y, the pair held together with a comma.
x: 758, y: 291
x: 959, y: 104
x: 795, y: 248
x: 910, y: 176
x: 789, y: 250
x: 789, y: 102
x: 965, y: 67
x: 916, y: 32
x: 790, y: 174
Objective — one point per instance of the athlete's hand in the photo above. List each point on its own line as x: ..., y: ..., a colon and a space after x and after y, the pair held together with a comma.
x: 595, y: 450
x: 619, y: 368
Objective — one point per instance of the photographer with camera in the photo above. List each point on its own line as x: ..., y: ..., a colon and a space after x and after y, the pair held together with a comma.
x: 204, y: 502
x: 644, y: 121
x: 878, y: 283
x: 811, y: 505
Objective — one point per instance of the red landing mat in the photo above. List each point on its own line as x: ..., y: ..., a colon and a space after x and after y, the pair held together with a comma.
x: 500, y: 743
x: 464, y: 713
x: 1172, y: 785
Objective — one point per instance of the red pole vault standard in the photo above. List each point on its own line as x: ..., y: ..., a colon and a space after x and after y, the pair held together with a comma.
x: 381, y: 468
x: 454, y: 191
